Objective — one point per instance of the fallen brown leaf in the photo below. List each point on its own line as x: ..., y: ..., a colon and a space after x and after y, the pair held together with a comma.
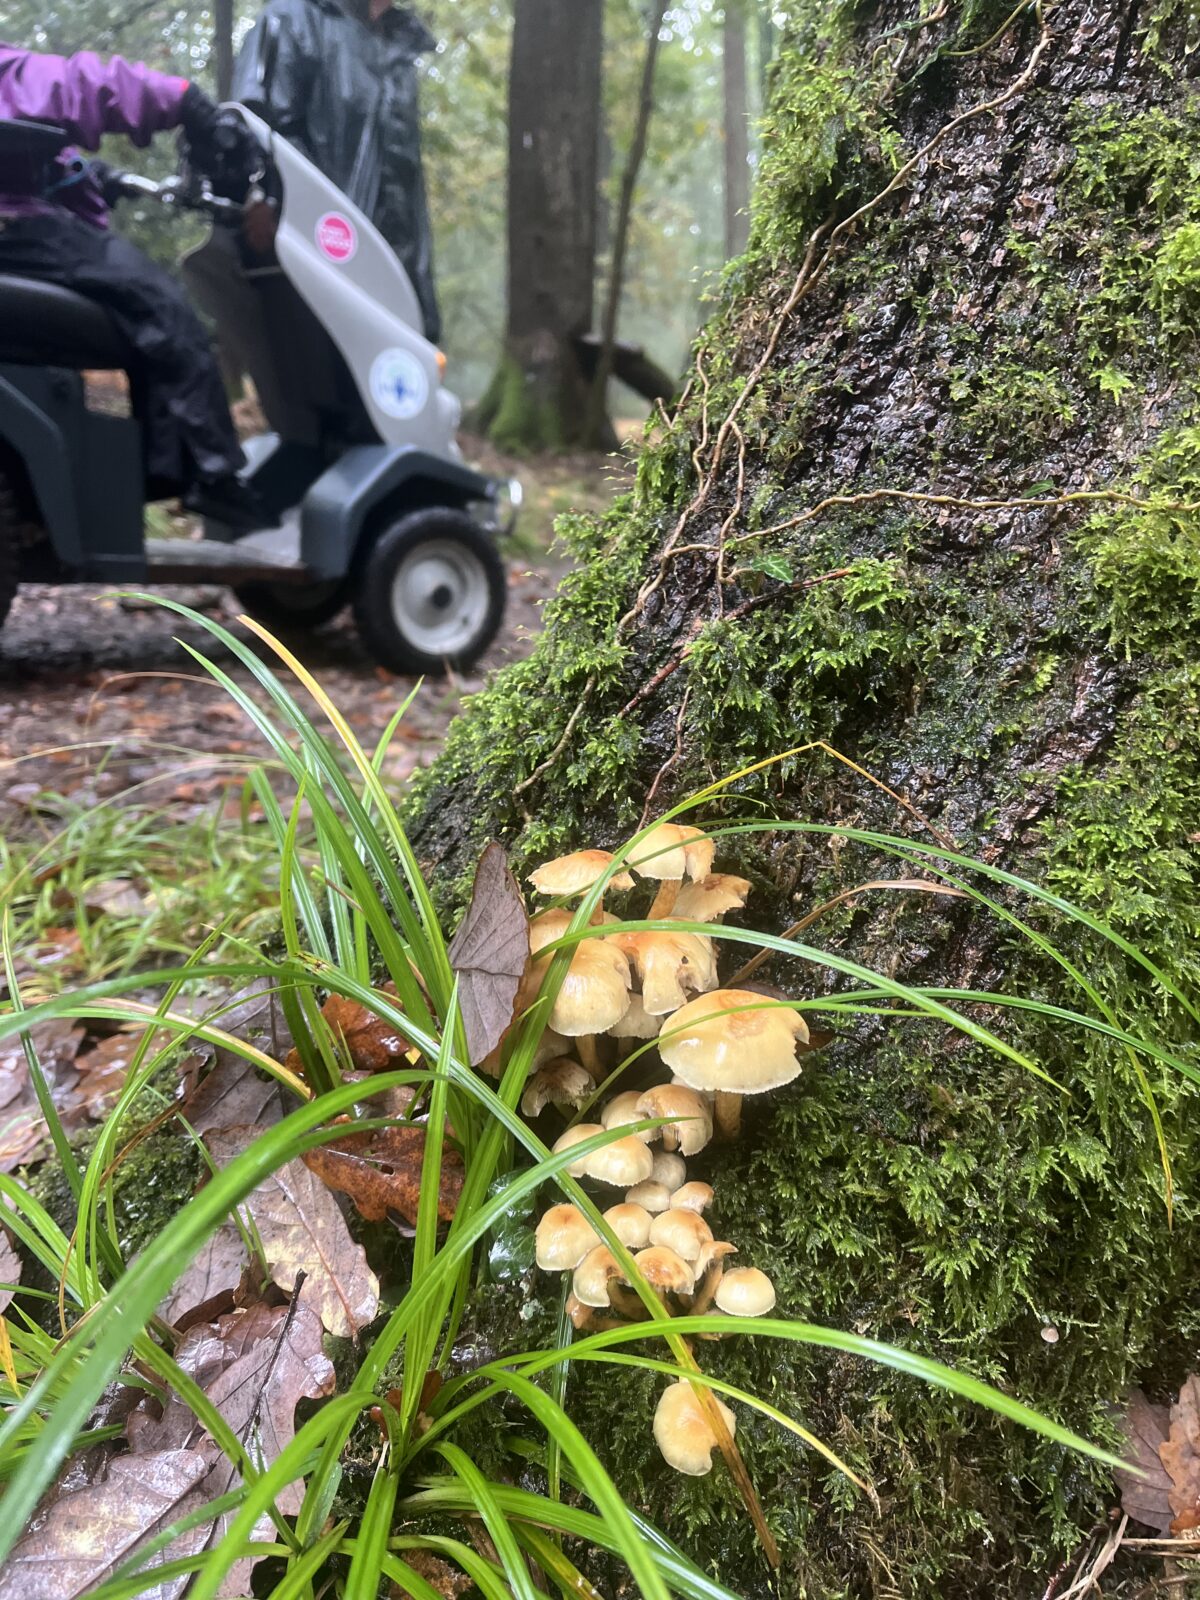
x: 22, y: 1135
x: 210, y: 1282
x: 489, y: 953
x: 372, y: 1044
x: 448, y: 1581
x: 302, y: 1229
x: 235, y: 1094
x: 83, y: 1536
x: 1145, y: 1498
x: 1180, y: 1455
x: 103, y: 1070
x: 381, y: 1171
x: 10, y: 1271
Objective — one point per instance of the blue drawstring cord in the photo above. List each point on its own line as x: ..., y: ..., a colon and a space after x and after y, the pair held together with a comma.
x: 77, y: 171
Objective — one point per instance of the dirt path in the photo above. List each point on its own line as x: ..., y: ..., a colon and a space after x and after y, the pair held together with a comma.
x: 97, y: 695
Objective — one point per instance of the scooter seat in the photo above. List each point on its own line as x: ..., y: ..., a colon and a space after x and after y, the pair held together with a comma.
x: 46, y: 325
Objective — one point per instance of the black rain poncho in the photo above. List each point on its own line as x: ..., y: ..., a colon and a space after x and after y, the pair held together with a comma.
x: 344, y: 91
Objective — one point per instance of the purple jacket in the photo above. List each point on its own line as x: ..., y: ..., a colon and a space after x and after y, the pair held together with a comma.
x: 87, y: 97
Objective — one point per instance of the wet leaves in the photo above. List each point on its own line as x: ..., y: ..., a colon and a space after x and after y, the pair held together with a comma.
x: 489, y: 953
x: 10, y: 1271
x: 370, y: 1043
x: 381, y: 1172
x: 301, y: 1230
x: 1165, y: 1445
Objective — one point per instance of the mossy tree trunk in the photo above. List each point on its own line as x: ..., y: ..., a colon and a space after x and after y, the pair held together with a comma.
x: 887, y: 516
x: 538, y: 397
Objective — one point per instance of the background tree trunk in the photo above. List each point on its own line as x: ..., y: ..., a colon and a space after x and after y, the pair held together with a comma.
x: 598, y: 425
x: 223, y: 46
x: 971, y: 293
x: 737, y: 133
x: 539, y: 395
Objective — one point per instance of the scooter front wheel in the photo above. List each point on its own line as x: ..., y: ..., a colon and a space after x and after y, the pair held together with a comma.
x: 431, y: 593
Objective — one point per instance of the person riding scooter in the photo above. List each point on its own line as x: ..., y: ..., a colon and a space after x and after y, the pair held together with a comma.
x: 338, y: 79
x: 54, y: 227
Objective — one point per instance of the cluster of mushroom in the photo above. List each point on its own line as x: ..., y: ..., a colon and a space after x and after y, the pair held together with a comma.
x: 718, y: 1044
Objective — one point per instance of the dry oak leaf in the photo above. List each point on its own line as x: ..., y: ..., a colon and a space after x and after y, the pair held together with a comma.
x: 381, y: 1171
x: 372, y: 1044
x: 209, y: 1282
x: 1145, y: 1498
x: 10, y: 1271
x: 1180, y: 1455
x: 301, y: 1229
x: 77, y: 1542
x: 489, y: 953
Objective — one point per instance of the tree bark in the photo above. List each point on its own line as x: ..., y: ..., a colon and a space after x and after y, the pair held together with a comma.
x: 737, y: 139
x: 539, y: 395
x: 930, y: 502
x: 598, y: 425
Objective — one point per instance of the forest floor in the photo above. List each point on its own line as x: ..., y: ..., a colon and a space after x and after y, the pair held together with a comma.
x: 96, y: 693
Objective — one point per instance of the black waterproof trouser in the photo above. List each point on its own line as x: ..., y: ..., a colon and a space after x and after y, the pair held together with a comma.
x: 176, y: 383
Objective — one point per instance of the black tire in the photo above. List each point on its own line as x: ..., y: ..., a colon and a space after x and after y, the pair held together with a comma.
x: 10, y: 549
x: 430, y: 594
x: 293, y: 607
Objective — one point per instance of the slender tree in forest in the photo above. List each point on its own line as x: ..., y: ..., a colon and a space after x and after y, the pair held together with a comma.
x: 223, y: 46
x: 737, y: 140
x: 597, y: 421
x: 930, y: 502
x: 539, y: 394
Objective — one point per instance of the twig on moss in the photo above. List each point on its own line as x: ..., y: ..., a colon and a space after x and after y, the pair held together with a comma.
x: 572, y: 723
x: 675, y: 756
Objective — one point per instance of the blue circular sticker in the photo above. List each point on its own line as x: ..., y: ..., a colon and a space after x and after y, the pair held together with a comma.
x: 399, y: 385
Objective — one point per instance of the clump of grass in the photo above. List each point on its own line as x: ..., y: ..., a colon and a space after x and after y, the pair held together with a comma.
x: 355, y: 911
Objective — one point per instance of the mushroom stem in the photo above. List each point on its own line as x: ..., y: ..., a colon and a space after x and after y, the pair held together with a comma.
x: 727, y: 1114
x: 589, y: 1054
x: 627, y: 1303
x: 664, y: 900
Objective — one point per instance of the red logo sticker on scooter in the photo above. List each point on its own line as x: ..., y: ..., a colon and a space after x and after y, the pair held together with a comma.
x: 337, y: 237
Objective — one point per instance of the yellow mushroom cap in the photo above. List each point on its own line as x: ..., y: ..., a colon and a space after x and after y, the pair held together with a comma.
x: 683, y: 1432
x: 595, y: 991
x: 637, y: 1023
x: 546, y: 927
x: 623, y: 1109
x: 563, y: 1237
x: 562, y: 1082
x: 684, y: 1232
x: 622, y: 1163
x: 651, y: 1196
x: 710, y: 898
x: 692, y: 1126
x: 669, y: 1169
x: 673, y: 851
x: 716, y: 1046
x: 745, y: 1292
x: 576, y: 873
x: 713, y: 1251
x: 581, y: 1130
x: 594, y: 1274
x: 630, y: 1223
x: 664, y: 1268
x: 671, y: 966
x: 692, y: 1196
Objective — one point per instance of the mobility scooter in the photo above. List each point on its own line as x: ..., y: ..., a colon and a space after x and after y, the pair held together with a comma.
x: 370, y: 502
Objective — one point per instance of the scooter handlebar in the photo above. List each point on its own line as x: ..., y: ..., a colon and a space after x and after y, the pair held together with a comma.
x: 176, y: 192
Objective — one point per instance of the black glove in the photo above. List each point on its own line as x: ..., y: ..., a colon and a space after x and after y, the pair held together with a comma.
x: 108, y: 180
x: 219, y: 144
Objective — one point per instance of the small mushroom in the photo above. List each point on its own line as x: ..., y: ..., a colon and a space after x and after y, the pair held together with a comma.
x: 692, y: 1196
x: 691, y: 1127
x: 664, y: 1269
x: 595, y: 991
x: 575, y: 874
x: 563, y: 1237
x: 670, y: 965
x: 594, y: 1274
x: 708, y: 899
x: 682, y: 1431
x: 561, y: 1082
x: 684, y: 1232
x: 637, y: 1023
x: 630, y: 1223
x: 716, y: 1045
x: 651, y: 1196
x: 622, y: 1163
x: 623, y: 1109
x: 715, y: 1250
x: 669, y: 853
x: 669, y: 1169
x: 745, y: 1292
x: 581, y: 1130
